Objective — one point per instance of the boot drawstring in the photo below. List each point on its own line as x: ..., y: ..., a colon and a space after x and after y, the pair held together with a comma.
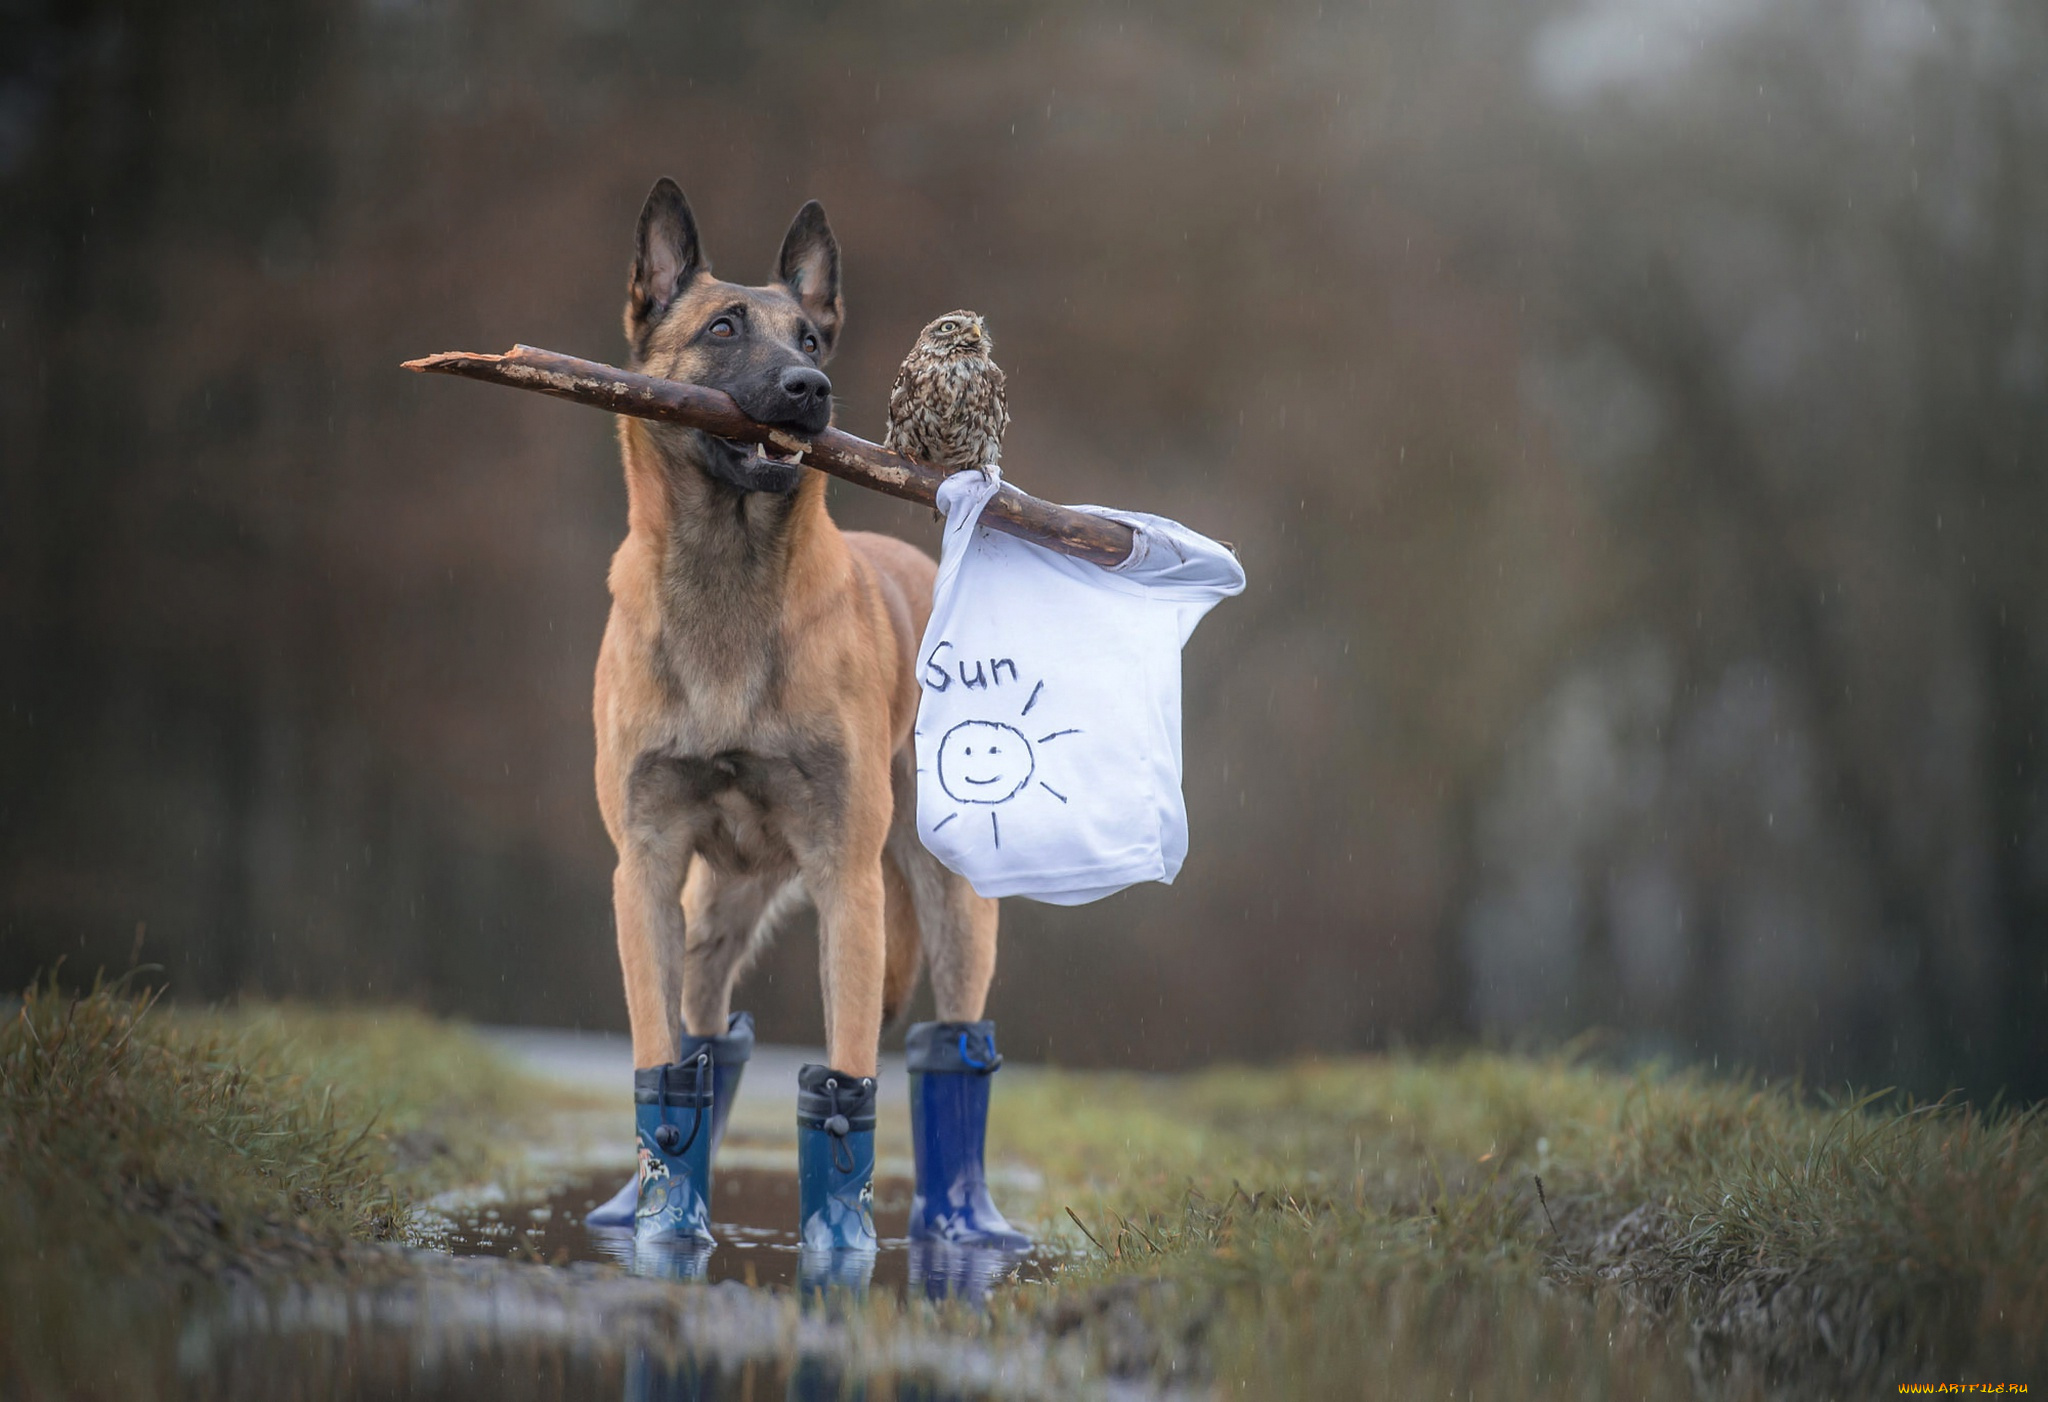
x: 667, y: 1134
x: 838, y: 1127
x: 989, y: 1064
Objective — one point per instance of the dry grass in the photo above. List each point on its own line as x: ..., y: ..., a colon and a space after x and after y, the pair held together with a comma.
x: 145, y: 1154
x: 445, y: 1108
x: 1370, y: 1227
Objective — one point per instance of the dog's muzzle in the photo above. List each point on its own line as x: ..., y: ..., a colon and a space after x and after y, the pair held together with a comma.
x: 754, y: 468
x: 798, y: 399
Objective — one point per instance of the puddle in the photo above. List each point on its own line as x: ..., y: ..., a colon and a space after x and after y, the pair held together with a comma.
x: 380, y: 1364
x: 374, y: 1369
x: 467, y: 1319
x: 754, y: 1217
x: 483, y: 1331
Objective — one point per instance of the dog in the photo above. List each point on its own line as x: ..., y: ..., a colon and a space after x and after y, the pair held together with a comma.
x: 755, y: 692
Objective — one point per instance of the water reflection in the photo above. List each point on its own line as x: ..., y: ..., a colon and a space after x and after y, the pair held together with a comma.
x: 477, y: 1327
x: 386, y: 1364
x: 658, y: 1260
x: 650, y: 1378
x: 820, y: 1271
x: 941, y: 1270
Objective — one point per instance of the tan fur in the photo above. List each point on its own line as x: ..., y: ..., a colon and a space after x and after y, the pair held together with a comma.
x: 753, y: 707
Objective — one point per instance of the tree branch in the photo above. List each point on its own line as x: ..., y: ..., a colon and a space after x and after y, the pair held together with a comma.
x: 1076, y: 533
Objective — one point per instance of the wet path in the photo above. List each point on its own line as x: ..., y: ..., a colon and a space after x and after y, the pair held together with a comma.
x: 755, y: 1220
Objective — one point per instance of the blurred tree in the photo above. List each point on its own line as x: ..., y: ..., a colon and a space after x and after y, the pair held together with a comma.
x: 1627, y: 416
x: 1806, y: 278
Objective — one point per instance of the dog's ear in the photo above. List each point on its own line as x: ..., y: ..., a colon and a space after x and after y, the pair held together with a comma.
x: 666, y: 255
x: 809, y: 268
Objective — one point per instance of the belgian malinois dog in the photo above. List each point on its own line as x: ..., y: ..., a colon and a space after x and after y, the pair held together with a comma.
x: 755, y: 693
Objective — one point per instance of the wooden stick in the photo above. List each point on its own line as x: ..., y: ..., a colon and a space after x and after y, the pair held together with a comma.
x: 1077, y: 533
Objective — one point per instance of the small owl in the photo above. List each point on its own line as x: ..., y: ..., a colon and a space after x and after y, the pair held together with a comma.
x: 947, y: 405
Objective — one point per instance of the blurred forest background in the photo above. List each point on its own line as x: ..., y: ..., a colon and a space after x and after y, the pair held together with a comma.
x: 1631, y: 413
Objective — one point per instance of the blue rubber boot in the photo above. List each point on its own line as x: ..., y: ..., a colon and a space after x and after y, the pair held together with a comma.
x: 835, y: 1160
x: 950, y: 1066
x: 672, y: 1106
x: 729, y: 1056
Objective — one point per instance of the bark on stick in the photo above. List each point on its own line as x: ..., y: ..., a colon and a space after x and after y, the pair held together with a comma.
x: 601, y: 386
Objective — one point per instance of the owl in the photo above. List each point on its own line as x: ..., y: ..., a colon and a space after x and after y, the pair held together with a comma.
x: 947, y: 405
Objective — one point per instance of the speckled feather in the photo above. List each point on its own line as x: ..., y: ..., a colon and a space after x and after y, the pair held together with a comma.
x: 947, y: 406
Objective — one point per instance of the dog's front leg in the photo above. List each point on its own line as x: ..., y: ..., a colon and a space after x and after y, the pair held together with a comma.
x: 835, y: 1106
x: 851, y: 956
x: 840, y: 855
x: 647, y: 904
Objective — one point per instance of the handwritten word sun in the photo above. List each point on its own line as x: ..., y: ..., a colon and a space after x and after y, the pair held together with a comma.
x: 986, y: 763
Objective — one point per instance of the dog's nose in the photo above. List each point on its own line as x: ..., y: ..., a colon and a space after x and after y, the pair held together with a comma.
x: 810, y: 394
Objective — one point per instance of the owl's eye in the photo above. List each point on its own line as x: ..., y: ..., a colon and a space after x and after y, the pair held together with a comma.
x: 949, y: 327
x: 723, y: 328
x: 810, y: 344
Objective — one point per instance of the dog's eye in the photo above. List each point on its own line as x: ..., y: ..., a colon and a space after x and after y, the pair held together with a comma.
x: 810, y: 344
x: 723, y: 327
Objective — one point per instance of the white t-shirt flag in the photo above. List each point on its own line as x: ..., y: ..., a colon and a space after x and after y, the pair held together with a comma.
x: 1048, y: 728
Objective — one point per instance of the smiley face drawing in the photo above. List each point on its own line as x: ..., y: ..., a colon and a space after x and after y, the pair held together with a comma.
x: 988, y: 763
x: 985, y: 761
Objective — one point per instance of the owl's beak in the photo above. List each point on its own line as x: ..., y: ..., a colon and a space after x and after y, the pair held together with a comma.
x: 981, y: 336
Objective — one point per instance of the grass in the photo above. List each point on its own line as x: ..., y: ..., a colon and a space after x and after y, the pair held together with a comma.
x: 144, y: 1154
x: 1372, y: 1227
x: 1341, y: 1229
x: 444, y: 1108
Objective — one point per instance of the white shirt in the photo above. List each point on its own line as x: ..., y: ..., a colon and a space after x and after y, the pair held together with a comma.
x: 1048, y: 728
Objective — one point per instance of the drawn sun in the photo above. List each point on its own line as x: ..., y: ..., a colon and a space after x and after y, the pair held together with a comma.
x: 987, y: 763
